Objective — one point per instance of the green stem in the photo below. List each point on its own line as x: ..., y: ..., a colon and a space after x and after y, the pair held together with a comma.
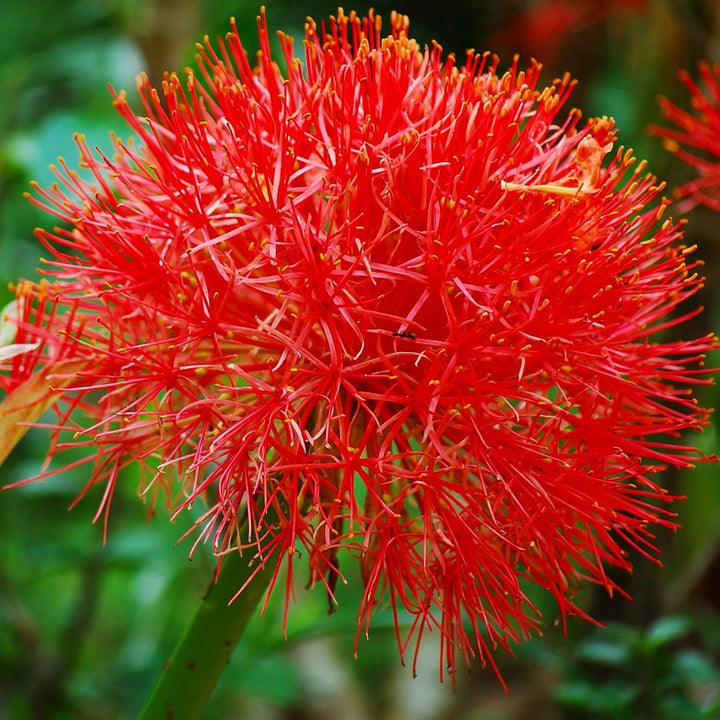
x: 190, y: 676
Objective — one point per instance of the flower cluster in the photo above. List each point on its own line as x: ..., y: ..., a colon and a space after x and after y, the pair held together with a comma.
x: 696, y: 139
x: 380, y: 303
x: 544, y: 28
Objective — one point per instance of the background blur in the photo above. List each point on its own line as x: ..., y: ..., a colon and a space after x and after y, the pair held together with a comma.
x: 84, y: 629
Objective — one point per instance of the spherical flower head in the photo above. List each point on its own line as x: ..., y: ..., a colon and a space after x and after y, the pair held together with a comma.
x: 381, y: 306
x: 696, y: 137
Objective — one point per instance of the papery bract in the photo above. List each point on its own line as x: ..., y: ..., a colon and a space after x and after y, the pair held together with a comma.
x: 396, y: 300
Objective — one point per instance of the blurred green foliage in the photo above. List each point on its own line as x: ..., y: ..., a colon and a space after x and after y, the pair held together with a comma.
x: 85, y: 625
x: 631, y: 674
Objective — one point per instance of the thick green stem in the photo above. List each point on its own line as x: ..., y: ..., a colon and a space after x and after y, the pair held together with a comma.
x: 190, y: 676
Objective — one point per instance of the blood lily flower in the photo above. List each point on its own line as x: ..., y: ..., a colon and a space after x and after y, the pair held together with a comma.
x: 544, y: 28
x: 696, y: 137
x: 404, y: 307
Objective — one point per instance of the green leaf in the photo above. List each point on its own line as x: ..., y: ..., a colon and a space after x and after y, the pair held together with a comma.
x: 602, y: 652
x: 604, y: 699
x: 666, y: 630
x: 695, y: 667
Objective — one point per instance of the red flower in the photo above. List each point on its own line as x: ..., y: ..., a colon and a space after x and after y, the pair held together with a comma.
x: 397, y: 302
x: 700, y: 132
x: 543, y: 28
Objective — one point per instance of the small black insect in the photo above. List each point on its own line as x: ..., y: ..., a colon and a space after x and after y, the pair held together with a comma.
x: 408, y: 335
